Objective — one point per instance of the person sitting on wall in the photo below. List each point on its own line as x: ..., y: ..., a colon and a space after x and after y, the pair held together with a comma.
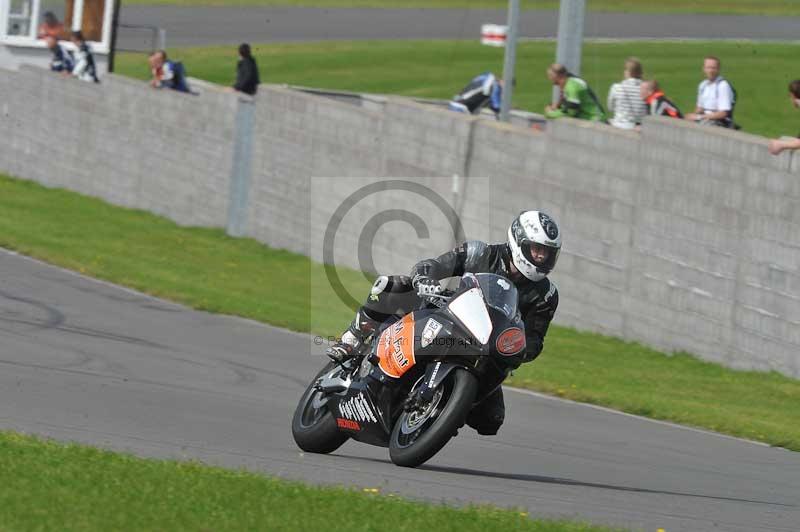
x: 623, y: 98
x: 63, y: 60
x: 657, y: 103
x: 484, y: 90
x: 167, y: 74
x: 716, y: 97
x: 776, y: 146
x: 247, y: 78
x: 577, y: 100
x: 85, y: 68
x: 50, y: 27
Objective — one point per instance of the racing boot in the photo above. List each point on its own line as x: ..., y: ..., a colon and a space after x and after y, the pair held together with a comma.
x: 354, y: 339
x: 487, y: 416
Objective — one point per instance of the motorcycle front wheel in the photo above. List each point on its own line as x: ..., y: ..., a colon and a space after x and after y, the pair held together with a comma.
x: 421, y: 433
x: 313, y: 426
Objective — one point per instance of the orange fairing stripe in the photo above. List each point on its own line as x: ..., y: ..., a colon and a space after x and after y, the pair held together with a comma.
x: 396, y: 347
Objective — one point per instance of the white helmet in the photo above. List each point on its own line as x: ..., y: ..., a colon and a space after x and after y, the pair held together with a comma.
x: 535, y: 243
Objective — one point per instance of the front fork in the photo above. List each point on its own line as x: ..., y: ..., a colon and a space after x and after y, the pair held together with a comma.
x: 433, y: 378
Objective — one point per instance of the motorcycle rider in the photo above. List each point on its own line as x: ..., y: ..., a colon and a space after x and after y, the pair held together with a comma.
x: 529, y: 255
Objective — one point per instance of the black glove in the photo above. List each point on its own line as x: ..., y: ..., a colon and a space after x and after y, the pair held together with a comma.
x: 426, y: 286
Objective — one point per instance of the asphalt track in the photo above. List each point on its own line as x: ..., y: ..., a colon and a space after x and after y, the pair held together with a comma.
x: 86, y: 361
x: 195, y: 26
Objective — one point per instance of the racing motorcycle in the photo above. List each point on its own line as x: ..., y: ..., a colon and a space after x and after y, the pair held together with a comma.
x: 417, y: 379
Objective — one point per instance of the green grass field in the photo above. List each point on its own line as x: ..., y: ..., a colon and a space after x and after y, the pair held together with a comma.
x: 438, y: 69
x: 739, y: 7
x: 51, y: 486
x: 205, y: 269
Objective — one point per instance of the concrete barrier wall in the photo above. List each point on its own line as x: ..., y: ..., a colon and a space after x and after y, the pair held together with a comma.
x: 301, y: 136
x: 589, y: 175
x: 717, y: 248
x: 681, y: 237
x: 165, y: 152
x: 672, y: 235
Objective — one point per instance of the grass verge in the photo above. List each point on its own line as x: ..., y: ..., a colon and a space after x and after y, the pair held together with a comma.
x: 207, y: 270
x: 728, y: 7
x: 46, y: 485
x: 438, y: 69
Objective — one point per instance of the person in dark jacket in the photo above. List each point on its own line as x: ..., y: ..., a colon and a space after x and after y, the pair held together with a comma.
x: 62, y: 60
x: 529, y: 255
x: 247, y: 79
x: 167, y: 74
x: 657, y: 103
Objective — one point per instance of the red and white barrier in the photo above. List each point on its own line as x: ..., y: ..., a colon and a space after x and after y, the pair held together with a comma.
x: 494, y: 35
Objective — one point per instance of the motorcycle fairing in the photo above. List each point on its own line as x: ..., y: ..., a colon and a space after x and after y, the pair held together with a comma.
x: 365, y: 409
x: 361, y: 412
x: 395, y: 347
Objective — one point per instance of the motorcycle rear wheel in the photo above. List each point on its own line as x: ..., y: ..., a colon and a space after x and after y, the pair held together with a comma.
x: 417, y: 436
x: 313, y: 426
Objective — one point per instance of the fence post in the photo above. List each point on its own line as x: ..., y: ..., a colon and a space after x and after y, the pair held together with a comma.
x: 571, y: 14
x: 241, y: 166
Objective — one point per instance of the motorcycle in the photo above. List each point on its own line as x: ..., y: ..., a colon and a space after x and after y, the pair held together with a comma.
x: 418, y: 378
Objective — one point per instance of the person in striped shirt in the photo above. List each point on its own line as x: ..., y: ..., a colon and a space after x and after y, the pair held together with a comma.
x: 624, y: 99
x: 657, y: 103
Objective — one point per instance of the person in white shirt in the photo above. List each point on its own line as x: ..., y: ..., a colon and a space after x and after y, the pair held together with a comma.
x: 84, y: 69
x: 715, y: 97
x: 624, y: 99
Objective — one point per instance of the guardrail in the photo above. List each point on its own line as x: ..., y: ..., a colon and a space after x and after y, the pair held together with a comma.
x: 158, y: 38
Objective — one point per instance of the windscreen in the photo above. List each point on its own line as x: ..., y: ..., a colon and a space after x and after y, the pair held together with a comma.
x: 499, y: 293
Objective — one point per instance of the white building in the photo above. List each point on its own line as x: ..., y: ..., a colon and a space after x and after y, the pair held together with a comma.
x: 22, y: 23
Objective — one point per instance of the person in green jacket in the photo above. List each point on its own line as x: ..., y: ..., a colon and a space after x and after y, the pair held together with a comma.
x: 577, y: 98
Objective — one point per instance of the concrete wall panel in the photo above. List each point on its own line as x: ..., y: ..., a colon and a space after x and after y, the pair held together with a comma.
x: 679, y: 236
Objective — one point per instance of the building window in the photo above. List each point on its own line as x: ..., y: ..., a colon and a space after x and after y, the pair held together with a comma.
x: 20, y: 15
x: 23, y: 22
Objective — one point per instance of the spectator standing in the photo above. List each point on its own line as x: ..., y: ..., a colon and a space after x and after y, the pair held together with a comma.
x: 50, y: 27
x: 84, y: 68
x: 62, y: 60
x: 716, y: 97
x: 776, y: 146
x: 624, y: 99
x: 577, y: 100
x: 247, y: 78
x: 167, y: 74
x: 657, y: 103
